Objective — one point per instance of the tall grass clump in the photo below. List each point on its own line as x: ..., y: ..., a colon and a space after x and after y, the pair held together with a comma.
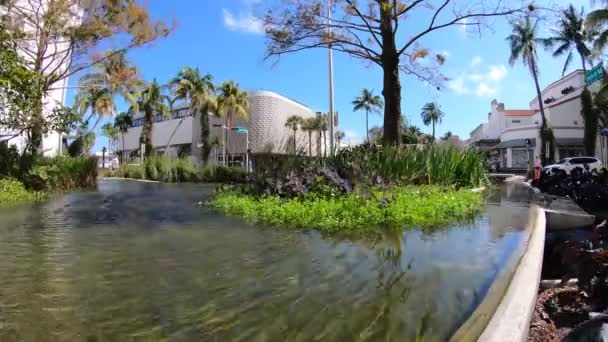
x: 433, y: 165
x: 64, y: 173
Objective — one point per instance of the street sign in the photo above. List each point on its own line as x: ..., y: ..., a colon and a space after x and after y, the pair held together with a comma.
x: 239, y: 129
x: 597, y: 73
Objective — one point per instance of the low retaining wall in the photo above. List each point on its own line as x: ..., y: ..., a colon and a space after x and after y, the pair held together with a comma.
x: 505, y: 313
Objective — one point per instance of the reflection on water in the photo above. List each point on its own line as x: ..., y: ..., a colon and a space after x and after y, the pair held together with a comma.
x: 144, y: 261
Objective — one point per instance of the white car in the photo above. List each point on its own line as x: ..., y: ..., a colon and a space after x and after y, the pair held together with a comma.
x: 568, y: 164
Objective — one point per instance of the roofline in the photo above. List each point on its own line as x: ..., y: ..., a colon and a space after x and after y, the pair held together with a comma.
x: 277, y: 95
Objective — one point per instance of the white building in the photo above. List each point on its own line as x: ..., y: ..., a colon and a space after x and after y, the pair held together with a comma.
x: 267, y: 114
x: 507, y: 130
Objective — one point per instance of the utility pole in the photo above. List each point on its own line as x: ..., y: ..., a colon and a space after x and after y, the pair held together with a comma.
x: 331, y: 86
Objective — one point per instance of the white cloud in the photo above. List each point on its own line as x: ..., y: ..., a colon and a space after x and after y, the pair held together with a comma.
x: 243, y: 21
x: 458, y: 87
x: 478, y: 79
x: 476, y: 61
x: 497, y: 72
x: 483, y: 89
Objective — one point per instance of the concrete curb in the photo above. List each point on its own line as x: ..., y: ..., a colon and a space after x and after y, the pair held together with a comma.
x: 479, y: 320
x: 511, y: 320
x: 129, y: 179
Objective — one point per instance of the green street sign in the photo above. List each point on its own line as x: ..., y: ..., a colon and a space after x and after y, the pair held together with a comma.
x: 240, y: 129
x: 597, y: 73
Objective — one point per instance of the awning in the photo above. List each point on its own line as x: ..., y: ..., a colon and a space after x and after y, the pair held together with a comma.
x: 517, y: 143
x: 569, y: 141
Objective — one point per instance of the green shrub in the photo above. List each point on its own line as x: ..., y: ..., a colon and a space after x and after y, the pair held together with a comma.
x: 426, y: 206
x: 65, y: 173
x: 14, y: 192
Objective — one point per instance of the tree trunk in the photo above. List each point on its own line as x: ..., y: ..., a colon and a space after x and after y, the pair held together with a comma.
x: 310, y: 143
x: 122, y: 153
x: 147, y: 132
x: 391, y: 83
x: 206, y: 147
x: 172, y: 134
x: 324, y: 144
x: 367, y: 125
x: 433, y: 132
x: 544, y: 126
x: 295, y: 145
x: 36, y: 130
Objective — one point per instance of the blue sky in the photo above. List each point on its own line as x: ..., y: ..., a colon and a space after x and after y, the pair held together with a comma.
x: 224, y: 39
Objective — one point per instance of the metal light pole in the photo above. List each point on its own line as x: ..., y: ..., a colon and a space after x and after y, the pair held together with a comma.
x: 331, y: 85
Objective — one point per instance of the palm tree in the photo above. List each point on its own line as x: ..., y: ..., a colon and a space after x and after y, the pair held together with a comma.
x: 114, y: 76
x: 198, y: 91
x: 323, y: 126
x: 523, y: 41
x: 231, y: 101
x: 339, y: 136
x: 368, y: 102
x: 431, y: 114
x: 309, y: 125
x: 596, y: 22
x: 571, y: 36
x: 293, y: 123
x: 122, y: 122
x: 111, y: 132
x: 152, y: 101
x: 98, y: 102
x: 447, y: 135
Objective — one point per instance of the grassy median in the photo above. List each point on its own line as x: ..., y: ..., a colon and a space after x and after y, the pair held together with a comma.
x: 399, y: 208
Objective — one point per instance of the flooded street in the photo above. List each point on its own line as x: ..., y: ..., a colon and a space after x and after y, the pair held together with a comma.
x: 146, y: 261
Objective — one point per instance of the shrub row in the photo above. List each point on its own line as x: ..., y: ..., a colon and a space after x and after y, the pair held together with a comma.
x: 179, y: 170
x: 47, y: 174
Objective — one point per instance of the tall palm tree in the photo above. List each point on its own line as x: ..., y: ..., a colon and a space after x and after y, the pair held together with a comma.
x: 231, y: 102
x: 309, y: 125
x: 570, y: 36
x: 368, y: 102
x: 198, y: 90
x: 293, y: 123
x: 323, y: 126
x: 523, y: 41
x: 112, y: 133
x: 431, y: 114
x: 596, y: 22
x: 339, y: 136
x: 123, y: 121
x: 153, y: 101
x: 114, y: 76
x: 98, y: 102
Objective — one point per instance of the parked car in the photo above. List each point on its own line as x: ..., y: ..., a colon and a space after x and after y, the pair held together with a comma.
x: 569, y: 164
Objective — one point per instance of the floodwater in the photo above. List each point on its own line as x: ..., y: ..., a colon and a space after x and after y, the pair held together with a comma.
x: 147, y: 262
